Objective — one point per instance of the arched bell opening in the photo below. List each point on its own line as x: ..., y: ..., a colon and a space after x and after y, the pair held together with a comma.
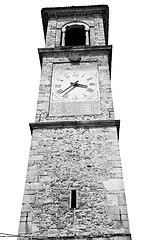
x: 75, y: 34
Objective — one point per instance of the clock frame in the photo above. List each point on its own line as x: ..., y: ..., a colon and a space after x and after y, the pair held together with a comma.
x: 75, y: 90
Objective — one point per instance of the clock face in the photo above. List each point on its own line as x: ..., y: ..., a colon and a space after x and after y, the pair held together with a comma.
x: 74, y: 86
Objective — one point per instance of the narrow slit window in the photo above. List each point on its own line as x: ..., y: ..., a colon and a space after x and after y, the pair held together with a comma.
x: 73, y: 199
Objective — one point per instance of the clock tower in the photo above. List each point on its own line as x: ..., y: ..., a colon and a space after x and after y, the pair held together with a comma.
x: 74, y: 186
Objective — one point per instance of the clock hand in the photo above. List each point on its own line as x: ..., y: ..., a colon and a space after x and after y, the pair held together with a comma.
x: 69, y: 90
x: 71, y: 85
x: 81, y: 85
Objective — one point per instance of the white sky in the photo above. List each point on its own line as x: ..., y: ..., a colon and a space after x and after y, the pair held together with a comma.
x: 135, y: 35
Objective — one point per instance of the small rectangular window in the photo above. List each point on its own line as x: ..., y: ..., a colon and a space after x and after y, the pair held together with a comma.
x: 73, y: 199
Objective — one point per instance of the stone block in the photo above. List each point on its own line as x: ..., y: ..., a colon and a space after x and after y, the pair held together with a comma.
x: 36, y: 158
x: 112, y: 200
x: 52, y: 232
x: 122, y: 238
x: 122, y: 199
x: 124, y: 217
x: 31, y: 178
x: 34, y: 143
x: 43, y: 98
x: 114, y: 185
x: 42, y: 105
x: 22, y: 228
x: 123, y: 210
x: 45, y: 179
x: 26, y: 207
x: 29, y: 199
x: 125, y: 224
x: 37, y: 186
x: 117, y: 170
x: 117, y: 163
x: 35, y: 228
x: 31, y: 163
x: 112, y: 210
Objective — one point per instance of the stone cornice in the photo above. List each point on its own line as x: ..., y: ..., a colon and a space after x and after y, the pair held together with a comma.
x: 75, y: 48
x: 75, y: 124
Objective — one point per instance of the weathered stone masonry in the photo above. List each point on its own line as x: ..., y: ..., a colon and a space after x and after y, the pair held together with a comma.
x: 90, y: 162
x: 76, y: 152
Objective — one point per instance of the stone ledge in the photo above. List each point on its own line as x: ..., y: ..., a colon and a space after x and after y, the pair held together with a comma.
x: 79, y: 49
x: 69, y: 49
x: 75, y: 124
x: 75, y: 48
x: 114, y: 236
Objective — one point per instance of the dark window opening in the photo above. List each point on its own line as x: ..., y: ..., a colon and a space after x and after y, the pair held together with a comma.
x: 73, y: 199
x: 75, y: 35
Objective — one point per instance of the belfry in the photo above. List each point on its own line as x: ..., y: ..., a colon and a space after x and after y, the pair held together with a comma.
x: 74, y: 186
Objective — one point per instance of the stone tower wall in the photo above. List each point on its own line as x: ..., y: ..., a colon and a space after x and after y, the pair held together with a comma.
x: 86, y: 159
x: 75, y: 152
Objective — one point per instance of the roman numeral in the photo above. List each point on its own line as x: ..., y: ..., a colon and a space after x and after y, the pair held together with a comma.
x: 89, y: 90
x: 75, y: 98
x: 59, y: 91
x: 83, y: 75
x: 88, y: 79
x: 66, y: 75
x: 61, y: 80
x: 84, y: 95
x: 75, y: 74
x: 57, y: 86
